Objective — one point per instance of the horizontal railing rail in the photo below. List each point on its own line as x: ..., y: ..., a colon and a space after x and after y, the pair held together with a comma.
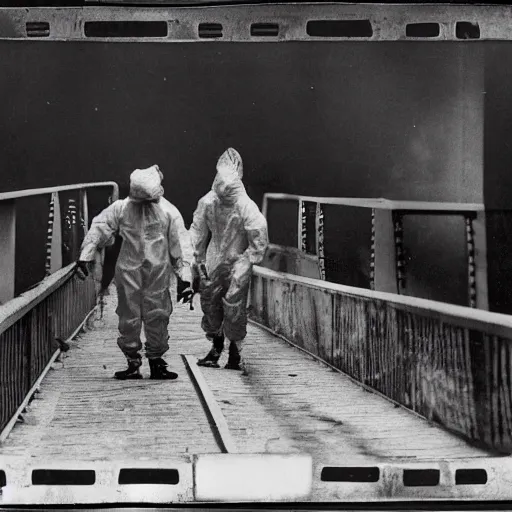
x: 387, y: 263
x: 381, y: 203
x: 19, y: 194
x: 18, y: 307
x: 64, y: 233
x: 448, y: 363
x: 34, y: 324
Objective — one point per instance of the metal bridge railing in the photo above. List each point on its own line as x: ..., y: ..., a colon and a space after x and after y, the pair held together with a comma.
x: 32, y: 323
x: 447, y: 363
x: 385, y: 261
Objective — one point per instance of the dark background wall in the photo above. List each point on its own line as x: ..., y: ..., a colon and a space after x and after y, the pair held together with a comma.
x: 399, y: 120
x: 498, y: 173
x: 347, y: 119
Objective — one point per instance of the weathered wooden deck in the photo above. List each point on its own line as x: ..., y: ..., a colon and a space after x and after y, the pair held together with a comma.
x: 288, y: 402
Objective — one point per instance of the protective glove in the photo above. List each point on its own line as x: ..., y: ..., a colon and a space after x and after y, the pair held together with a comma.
x: 82, y: 270
x: 204, y: 280
x: 196, y: 279
x: 199, y: 277
x: 185, y: 292
x: 109, y: 264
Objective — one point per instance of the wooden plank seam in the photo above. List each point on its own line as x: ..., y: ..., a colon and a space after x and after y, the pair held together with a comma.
x: 211, y: 404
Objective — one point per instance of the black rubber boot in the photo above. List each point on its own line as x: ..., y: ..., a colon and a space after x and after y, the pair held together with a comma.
x: 159, y: 371
x: 132, y: 372
x: 212, y: 358
x: 234, y: 360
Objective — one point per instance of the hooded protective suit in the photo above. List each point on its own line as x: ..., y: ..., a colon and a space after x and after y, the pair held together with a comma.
x: 229, y: 235
x: 154, y: 241
x: 229, y: 159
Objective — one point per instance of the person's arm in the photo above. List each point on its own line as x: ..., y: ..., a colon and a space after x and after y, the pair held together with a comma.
x: 102, y: 231
x: 256, y: 229
x: 180, y: 248
x: 199, y: 232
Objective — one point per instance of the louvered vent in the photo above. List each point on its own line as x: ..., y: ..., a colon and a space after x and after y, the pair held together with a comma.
x: 264, y: 29
x: 38, y: 29
x: 210, y: 30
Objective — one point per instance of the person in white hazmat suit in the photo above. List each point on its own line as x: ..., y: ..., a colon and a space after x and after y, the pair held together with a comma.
x: 229, y: 235
x: 155, y: 240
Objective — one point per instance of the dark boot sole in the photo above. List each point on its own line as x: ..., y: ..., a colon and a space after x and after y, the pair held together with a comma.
x: 130, y: 377
x: 164, y: 378
x: 207, y: 364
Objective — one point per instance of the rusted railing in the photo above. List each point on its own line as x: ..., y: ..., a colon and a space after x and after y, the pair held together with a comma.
x: 33, y: 324
x: 382, y: 243
x: 450, y: 364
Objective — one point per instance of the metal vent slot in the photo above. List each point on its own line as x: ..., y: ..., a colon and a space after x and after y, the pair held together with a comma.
x: 264, y: 29
x: 470, y: 477
x: 466, y: 30
x: 127, y: 29
x: 63, y: 477
x: 149, y: 476
x: 210, y: 30
x: 421, y: 477
x: 422, y: 30
x: 339, y: 28
x: 38, y: 29
x: 355, y: 474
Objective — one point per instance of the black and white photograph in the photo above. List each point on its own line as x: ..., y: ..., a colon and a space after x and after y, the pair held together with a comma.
x: 255, y: 254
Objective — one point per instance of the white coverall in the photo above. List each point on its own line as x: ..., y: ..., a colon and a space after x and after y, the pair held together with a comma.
x: 154, y: 241
x: 230, y: 159
x: 239, y: 239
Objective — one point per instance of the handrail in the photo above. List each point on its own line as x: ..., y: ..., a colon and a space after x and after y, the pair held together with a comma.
x: 18, y: 194
x: 450, y: 364
x: 13, y: 310
x: 495, y: 323
x: 387, y: 266
x: 32, y: 323
x: 381, y: 203
x: 77, y: 214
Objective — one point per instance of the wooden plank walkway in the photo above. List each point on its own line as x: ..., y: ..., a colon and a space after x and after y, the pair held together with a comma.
x: 291, y: 402
x: 83, y: 412
x: 288, y: 402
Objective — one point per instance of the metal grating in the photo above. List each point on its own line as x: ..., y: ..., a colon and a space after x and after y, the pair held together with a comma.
x: 37, y: 29
x: 210, y: 30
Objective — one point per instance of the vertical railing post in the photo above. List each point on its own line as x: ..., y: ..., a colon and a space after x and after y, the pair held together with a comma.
x: 319, y: 225
x: 7, y: 249
x: 372, y: 253
x: 84, y: 209
x: 470, y: 246
x: 54, y: 239
x: 301, y: 227
x: 399, y: 251
x: 29, y: 350
x: 49, y: 236
x: 478, y: 226
x: 264, y: 207
x: 385, y: 256
x: 83, y: 218
x: 71, y: 229
x: 115, y: 194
